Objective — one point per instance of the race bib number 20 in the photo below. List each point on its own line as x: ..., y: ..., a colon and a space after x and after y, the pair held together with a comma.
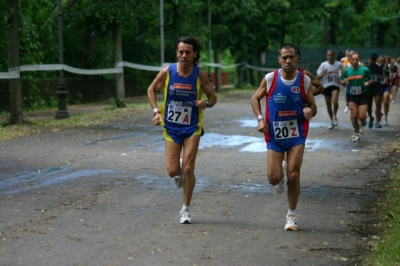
x: 179, y: 114
x: 286, y: 129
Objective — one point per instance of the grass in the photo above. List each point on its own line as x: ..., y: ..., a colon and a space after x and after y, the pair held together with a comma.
x: 34, y: 125
x: 387, y: 248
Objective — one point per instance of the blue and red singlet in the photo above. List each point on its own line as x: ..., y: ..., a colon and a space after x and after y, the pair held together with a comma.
x: 284, y: 111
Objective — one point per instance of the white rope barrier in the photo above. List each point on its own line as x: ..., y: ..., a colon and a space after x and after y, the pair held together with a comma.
x: 14, y: 73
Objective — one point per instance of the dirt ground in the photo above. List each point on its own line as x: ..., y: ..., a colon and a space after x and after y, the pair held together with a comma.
x: 100, y: 195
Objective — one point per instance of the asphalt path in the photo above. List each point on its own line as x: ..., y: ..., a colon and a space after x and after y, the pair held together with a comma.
x: 100, y: 195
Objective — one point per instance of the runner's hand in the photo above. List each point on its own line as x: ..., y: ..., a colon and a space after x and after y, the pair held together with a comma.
x: 157, y: 119
x: 262, y: 126
x: 201, y: 104
x: 307, y: 113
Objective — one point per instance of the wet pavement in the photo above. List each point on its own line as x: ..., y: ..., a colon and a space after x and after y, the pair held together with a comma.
x: 99, y: 195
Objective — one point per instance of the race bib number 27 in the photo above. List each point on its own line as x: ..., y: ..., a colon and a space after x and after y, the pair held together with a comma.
x: 179, y: 114
x: 286, y: 129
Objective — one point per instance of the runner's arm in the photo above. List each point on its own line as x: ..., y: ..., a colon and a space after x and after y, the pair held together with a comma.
x: 157, y: 84
x: 256, y: 105
x: 207, y: 90
x: 311, y: 108
x: 318, y: 88
x: 321, y: 72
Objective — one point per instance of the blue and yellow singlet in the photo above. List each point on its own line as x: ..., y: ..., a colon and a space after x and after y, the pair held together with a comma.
x: 182, y: 118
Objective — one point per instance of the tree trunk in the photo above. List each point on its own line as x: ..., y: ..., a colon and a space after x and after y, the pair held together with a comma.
x: 119, y: 77
x: 16, y: 116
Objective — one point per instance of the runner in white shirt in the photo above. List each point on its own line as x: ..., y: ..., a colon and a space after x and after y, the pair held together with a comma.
x: 329, y: 72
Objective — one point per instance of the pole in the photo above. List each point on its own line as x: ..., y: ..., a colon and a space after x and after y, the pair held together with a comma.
x: 209, y: 41
x: 62, y: 92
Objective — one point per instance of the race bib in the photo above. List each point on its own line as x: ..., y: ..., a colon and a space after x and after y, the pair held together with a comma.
x: 355, y: 90
x: 375, y: 77
x: 286, y: 129
x: 331, y: 78
x: 179, y: 114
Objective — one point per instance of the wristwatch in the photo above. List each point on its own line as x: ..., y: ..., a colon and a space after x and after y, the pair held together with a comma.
x: 156, y: 111
x: 207, y: 103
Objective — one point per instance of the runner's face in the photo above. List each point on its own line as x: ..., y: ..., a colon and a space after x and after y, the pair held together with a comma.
x: 288, y: 60
x: 354, y: 60
x: 330, y: 56
x: 185, y: 55
x: 372, y: 61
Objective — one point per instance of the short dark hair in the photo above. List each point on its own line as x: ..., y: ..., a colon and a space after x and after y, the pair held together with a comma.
x: 288, y: 46
x: 330, y: 50
x: 193, y: 41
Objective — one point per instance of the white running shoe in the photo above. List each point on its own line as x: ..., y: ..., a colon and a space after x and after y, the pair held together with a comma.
x: 346, y: 110
x: 185, y: 217
x: 385, y: 122
x: 291, y: 224
x: 281, y: 186
x: 179, y: 179
x: 331, y: 126
x: 356, y: 138
x: 335, y: 122
x: 353, y: 135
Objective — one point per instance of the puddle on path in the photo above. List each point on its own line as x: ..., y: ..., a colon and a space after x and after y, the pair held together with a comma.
x: 46, y: 177
x: 248, y: 143
x: 32, y: 176
x: 257, y: 144
x: 214, y: 139
x: 251, y: 122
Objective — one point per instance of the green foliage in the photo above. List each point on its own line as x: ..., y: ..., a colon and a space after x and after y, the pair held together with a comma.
x: 3, y: 37
x: 38, y: 32
x: 243, y: 29
x: 386, y: 250
x: 4, y: 119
